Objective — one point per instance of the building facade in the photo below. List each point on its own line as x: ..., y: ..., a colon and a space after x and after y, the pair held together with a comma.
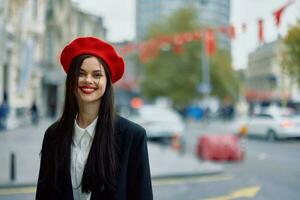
x: 32, y: 34
x: 22, y: 36
x: 211, y: 13
x: 149, y: 12
x: 265, y: 78
x: 215, y: 14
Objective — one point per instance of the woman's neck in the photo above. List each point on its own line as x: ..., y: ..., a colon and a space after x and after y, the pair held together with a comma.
x: 87, y: 114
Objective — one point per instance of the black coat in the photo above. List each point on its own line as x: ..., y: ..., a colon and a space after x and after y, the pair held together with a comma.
x: 134, y: 179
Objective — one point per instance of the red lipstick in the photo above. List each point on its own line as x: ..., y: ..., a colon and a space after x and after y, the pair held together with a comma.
x: 87, y: 89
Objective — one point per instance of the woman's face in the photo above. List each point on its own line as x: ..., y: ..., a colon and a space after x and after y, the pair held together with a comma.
x: 91, y: 81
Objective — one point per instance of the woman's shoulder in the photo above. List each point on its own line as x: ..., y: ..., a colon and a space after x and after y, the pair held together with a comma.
x: 49, y: 137
x: 125, y: 126
x: 53, y: 126
x: 51, y: 130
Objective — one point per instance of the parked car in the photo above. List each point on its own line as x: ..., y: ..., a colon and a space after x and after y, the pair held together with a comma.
x: 274, y: 125
x: 163, y: 124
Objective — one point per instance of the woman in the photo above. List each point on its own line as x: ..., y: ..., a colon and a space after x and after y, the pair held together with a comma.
x: 91, y: 153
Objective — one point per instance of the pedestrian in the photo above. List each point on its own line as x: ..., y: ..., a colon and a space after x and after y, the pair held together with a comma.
x: 4, y: 111
x: 52, y: 107
x: 90, y: 152
x: 2, y: 127
x: 34, y: 114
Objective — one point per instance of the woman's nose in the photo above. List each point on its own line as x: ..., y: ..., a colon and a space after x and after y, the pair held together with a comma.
x: 89, y: 78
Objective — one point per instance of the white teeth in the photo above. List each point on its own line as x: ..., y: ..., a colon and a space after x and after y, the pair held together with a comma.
x: 87, y: 89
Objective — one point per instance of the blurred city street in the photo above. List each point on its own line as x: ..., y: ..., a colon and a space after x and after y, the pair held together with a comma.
x: 25, y: 144
x: 215, y: 83
x: 269, y: 170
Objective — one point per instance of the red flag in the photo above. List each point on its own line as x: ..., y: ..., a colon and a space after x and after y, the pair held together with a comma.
x: 261, y: 31
x: 177, y: 48
x: 228, y: 30
x: 153, y: 48
x: 231, y: 32
x: 143, y: 57
x: 210, y: 42
x: 196, y: 35
x: 223, y: 29
x: 128, y: 48
x: 278, y: 13
x: 178, y: 41
x: 143, y: 54
x: 164, y: 40
x: 187, y: 37
x: 148, y: 50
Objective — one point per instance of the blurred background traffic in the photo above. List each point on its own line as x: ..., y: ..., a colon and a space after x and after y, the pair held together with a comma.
x: 206, y: 78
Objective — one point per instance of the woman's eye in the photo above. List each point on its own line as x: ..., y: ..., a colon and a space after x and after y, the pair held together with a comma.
x: 97, y: 75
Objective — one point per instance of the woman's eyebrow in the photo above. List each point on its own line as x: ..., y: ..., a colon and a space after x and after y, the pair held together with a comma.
x: 97, y: 70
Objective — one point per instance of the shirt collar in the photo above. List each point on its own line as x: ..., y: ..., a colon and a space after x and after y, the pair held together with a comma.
x: 79, y: 132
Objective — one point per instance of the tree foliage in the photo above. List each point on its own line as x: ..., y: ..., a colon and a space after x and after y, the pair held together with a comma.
x: 224, y: 79
x: 291, y: 53
x: 177, y: 75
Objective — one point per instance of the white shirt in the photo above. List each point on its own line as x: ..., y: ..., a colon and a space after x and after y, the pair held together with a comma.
x: 80, y: 148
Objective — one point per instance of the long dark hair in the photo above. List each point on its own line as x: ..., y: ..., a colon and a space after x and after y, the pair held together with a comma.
x: 102, y: 163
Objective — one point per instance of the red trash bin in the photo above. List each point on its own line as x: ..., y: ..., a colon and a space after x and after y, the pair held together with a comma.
x: 219, y: 147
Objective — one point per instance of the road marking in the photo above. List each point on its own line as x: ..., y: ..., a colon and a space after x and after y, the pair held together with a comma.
x: 199, y: 179
x: 249, y: 192
x: 170, y: 181
x: 21, y: 190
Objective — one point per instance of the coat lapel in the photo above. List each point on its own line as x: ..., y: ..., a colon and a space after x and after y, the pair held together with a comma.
x: 68, y: 181
x: 69, y: 192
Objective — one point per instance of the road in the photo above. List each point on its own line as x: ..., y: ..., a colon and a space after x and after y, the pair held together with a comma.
x: 271, y: 170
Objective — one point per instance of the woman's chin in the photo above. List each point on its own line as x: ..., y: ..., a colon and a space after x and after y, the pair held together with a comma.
x: 88, y: 100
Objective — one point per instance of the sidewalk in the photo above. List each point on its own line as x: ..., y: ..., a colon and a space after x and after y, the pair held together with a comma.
x: 166, y: 163
x: 25, y: 143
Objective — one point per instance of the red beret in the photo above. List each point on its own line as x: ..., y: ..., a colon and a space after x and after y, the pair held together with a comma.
x: 96, y: 47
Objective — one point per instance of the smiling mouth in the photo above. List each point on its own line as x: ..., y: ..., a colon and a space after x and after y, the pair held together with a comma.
x: 87, y: 90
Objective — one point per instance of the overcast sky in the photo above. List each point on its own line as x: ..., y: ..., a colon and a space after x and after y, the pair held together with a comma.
x: 119, y: 19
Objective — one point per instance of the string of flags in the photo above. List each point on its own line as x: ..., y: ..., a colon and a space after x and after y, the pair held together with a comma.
x: 150, y: 48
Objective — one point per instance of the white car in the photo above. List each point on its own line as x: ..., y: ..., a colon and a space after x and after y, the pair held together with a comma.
x: 274, y: 125
x: 161, y: 123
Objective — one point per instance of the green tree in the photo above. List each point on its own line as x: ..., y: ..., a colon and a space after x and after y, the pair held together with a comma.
x: 177, y: 75
x: 224, y: 80
x: 291, y: 53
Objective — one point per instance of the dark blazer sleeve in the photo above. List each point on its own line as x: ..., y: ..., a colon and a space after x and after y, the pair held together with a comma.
x: 139, y: 178
x: 44, y: 183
